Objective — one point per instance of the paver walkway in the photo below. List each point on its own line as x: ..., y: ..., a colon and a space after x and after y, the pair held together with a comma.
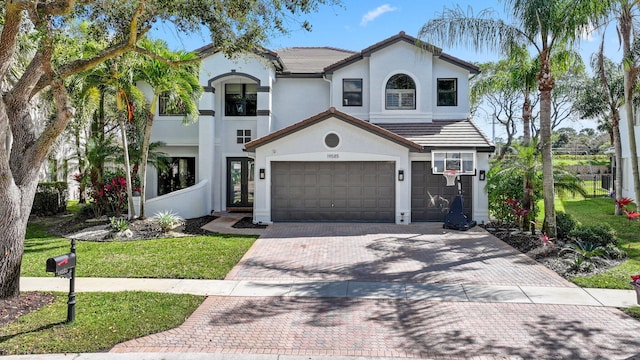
x: 399, y: 327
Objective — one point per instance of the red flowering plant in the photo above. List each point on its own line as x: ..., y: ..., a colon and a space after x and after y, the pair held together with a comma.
x: 519, y: 212
x: 116, y: 193
x: 622, y: 203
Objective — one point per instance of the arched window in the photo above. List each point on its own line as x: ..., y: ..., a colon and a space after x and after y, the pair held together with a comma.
x: 401, y: 93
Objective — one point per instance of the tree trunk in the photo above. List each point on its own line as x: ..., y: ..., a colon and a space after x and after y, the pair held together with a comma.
x: 19, y: 177
x: 143, y: 163
x: 617, y: 145
x: 545, y: 85
x: 13, y: 233
x: 526, y: 119
x: 625, y: 25
x: 127, y: 166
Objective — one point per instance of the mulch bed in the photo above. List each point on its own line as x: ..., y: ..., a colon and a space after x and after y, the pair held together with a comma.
x: 26, y: 302
x: 247, y: 223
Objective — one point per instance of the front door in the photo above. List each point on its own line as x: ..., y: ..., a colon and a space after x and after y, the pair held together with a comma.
x: 240, y: 182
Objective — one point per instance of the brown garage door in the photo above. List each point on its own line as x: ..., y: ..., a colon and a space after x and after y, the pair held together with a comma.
x: 430, y: 197
x: 358, y: 191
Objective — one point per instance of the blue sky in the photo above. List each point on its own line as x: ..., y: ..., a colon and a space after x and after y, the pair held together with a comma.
x: 357, y: 24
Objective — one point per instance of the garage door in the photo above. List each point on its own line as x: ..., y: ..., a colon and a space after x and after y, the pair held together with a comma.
x: 430, y: 197
x: 333, y: 191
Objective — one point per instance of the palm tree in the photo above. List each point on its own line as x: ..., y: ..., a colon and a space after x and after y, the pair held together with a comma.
x: 179, y: 81
x: 544, y: 25
x: 523, y: 162
x: 600, y: 98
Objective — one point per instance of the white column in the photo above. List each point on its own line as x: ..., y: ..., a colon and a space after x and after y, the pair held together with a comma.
x: 206, y: 134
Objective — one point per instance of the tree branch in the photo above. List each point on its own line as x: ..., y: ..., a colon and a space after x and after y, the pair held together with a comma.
x: 115, y: 50
x: 10, y: 30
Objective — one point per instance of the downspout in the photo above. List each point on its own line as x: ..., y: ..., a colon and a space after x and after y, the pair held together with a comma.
x: 324, y: 77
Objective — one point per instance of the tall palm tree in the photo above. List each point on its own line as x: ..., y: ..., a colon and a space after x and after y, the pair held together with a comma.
x: 601, y: 98
x: 544, y: 25
x: 176, y: 78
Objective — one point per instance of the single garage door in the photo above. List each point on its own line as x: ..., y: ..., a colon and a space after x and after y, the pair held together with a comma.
x: 430, y: 197
x: 357, y: 191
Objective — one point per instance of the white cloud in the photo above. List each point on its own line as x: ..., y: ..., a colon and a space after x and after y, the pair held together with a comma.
x: 375, y: 13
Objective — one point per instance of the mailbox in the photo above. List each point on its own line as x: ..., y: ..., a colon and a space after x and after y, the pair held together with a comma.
x: 61, y: 264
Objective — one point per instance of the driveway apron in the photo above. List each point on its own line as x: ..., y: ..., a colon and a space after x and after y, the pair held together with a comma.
x: 413, y: 255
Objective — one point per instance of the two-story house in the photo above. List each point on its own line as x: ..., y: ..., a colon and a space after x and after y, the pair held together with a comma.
x: 325, y: 134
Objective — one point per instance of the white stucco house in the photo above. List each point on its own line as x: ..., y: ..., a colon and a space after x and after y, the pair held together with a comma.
x: 324, y: 134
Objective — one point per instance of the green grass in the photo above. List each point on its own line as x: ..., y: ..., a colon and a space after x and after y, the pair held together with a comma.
x: 73, y: 206
x: 198, y: 257
x: 569, y: 160
x: 598, y: 211
x: 633, y: 311
x: 102, y: 321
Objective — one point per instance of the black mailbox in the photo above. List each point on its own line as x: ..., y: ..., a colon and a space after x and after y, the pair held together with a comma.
x: 61, y: 264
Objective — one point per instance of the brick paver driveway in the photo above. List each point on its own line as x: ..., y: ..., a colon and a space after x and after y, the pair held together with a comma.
x: 415, y: 253
x: 422, y: 253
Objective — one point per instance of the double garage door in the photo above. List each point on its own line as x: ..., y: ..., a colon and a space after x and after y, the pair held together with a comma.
x: 352, y: 191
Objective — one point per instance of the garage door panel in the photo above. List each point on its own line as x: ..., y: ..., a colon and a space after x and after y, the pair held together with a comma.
x: 431, y: 198
x: 333, y: 191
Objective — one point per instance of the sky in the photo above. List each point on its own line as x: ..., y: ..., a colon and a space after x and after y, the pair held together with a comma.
x: 358, y: 24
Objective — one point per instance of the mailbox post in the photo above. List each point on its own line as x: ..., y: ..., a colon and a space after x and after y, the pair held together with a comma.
x: 65, y: 266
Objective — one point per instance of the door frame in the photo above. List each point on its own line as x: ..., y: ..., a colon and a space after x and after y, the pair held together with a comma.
x: 246, y: 174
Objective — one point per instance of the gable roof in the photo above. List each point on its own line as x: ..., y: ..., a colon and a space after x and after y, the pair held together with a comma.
x: 317, y: 61
x: 402, y: 37
x: 440, y: 134
x: 332, y: 113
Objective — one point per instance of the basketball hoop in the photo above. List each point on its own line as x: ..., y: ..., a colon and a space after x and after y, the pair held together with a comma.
x: 451, y: 176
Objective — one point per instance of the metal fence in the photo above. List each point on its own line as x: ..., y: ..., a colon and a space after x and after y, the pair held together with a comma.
x: 597, y: 184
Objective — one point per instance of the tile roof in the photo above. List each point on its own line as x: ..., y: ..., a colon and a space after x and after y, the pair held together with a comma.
x: 332, y: 113
x: 310, y: 60
x: 443, y: 134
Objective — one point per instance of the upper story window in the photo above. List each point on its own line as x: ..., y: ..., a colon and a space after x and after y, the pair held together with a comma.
x: 447, y: 92
x: 401, y: 93
x: 241, y: 99
x: 169, y: 105
x: 352, y: 92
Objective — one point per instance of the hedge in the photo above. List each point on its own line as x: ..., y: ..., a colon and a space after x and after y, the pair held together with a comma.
x: 50, y: 199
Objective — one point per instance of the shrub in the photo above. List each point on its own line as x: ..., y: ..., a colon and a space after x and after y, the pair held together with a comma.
x: 502, y: 186
x: 118, y: 224
x: 565, y: 223
x: 50, y: 198
x: 599, y: 235
x: 167, y: 220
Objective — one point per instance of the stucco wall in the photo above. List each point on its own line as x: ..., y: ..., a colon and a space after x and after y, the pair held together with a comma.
x: 443, y: 69
x: 297, y: 99
x: 308, y: 145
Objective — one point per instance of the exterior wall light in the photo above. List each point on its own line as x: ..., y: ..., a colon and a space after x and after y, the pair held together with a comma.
x: 483, y: 175
x: 400, y: 175
x: 262, y: 174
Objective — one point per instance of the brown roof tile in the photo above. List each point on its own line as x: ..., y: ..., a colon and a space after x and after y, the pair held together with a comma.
x: 443, y: 134
x: 310, y: 60
x: 332, y: 113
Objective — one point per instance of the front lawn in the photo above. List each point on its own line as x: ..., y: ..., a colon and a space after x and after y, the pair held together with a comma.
x: 193, y: 257
x: 102, y: 321
x: 599, y: 211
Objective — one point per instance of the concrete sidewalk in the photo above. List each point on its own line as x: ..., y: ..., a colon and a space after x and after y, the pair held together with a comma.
x: 347, y: 289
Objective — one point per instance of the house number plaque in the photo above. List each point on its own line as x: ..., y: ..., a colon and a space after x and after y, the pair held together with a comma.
x: 333, y: 156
